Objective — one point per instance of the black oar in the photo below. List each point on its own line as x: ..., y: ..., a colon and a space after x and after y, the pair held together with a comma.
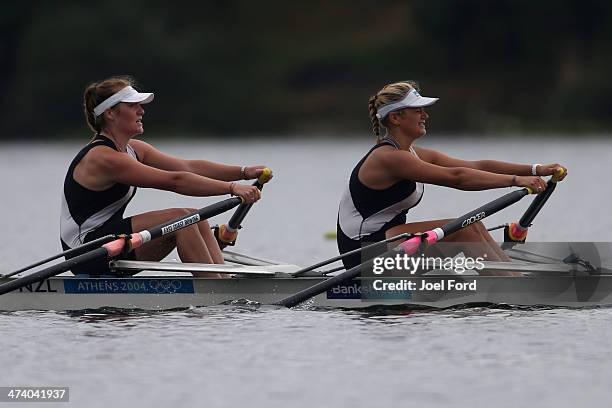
x: 226, y: 234
x: 410, y: 246
x: 353, y: 252
x: 69, y: 253
x: 116, y: 247
x: 517, y: 231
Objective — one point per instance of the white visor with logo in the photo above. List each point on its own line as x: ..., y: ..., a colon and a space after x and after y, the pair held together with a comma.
x: 412, y: 100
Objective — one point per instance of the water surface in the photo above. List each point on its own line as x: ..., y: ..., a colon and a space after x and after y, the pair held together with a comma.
x: 267, y: 356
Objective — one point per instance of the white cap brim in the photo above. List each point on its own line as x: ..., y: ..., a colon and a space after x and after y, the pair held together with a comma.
x: 144, y: 97
x: 422, y: 101
x: 412, y: 100
x: 127, y: 94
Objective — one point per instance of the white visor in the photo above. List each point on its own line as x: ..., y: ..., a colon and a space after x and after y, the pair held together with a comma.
x: 127, y: 94
x: 412, y: 100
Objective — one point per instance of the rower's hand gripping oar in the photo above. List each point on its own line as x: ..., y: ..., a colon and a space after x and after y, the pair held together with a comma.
x: 517, y: 231
x: 226, y: 234
x: 121, y: 245
x: 410, y: 246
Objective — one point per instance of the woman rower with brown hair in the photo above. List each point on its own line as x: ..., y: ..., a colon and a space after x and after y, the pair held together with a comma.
x: 104, y: 175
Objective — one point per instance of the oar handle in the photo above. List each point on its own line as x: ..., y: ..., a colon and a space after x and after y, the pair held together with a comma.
x: 517, y: 231
x: 234, y: 223
x: 558, y: 174
x: 226, y: 234
x: 264, y: 177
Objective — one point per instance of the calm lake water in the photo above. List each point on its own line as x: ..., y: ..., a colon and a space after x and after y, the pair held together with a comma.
x: 267, y: 356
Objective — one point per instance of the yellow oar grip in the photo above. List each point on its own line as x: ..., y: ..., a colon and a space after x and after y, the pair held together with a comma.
x: 557, y: 175
x: 265, y: 175
x: 530, y: 190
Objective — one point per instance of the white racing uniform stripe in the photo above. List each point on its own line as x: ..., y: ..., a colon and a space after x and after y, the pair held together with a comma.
x: 355, y: 226
x: 73, y: 235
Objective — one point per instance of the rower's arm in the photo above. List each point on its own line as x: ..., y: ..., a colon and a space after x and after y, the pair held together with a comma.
x: 150, y: 156
x: 492, y: 166
x: 109, y: 167
x: 404, y: 165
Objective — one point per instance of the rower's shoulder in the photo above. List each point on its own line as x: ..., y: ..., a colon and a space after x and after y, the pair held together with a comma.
x: 103, y: 158
x: 389, y: 155
x: 427, y: 155
x: 143, y: 149
x: 138, y: 144
x: 98, y: 151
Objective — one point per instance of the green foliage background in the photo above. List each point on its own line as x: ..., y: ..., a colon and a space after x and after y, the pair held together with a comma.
x: 245, y: 67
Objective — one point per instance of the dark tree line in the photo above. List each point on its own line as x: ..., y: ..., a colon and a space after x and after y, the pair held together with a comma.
x: 236, y: 67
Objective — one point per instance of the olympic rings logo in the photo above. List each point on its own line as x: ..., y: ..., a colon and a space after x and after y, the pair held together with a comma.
x: 165, y: 285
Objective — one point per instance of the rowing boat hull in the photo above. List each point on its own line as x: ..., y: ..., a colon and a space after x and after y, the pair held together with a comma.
x: 172, y: 292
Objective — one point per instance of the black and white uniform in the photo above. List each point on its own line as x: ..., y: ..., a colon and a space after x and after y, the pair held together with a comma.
x: 365, y: 214
x: 87, y: 214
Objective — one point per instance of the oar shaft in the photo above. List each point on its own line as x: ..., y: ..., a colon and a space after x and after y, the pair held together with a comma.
x: 234, y: 223
x: 536, y: 205
x: 71, y: 252
x: 236, y: 220
x: 447, y: 229
x: 182, y: 222
x: 114, y: 248
x: 327, y: 284
x: 353, y: 252
x: 409, y: 247
x: 53, y: 270
x: 484, y: 211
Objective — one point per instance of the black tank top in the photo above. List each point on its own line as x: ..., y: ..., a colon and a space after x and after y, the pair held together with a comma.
x: 85, y: 210
x: 365, y: 214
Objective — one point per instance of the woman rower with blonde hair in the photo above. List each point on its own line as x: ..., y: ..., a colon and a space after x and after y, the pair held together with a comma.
x: 103, y: 177
x: 389, y: 180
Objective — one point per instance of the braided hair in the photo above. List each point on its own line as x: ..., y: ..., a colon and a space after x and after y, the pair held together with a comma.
x: 389, y: 93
